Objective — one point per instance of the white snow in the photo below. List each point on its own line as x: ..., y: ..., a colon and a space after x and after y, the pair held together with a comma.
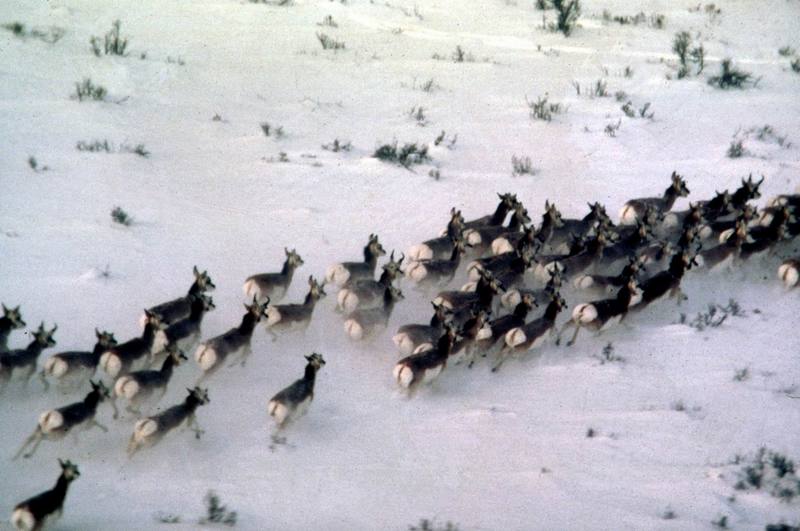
x: 487, y: 451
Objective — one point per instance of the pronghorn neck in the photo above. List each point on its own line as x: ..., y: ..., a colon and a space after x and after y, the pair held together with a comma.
x: 59, y: 492
x: 149, y: 334
x: 386, y: 278
x: 195, y: 288
x: 310, y: 374
x: 552, y: 310
x: 455, y: 256
x: 677, y: 266
x: 92, y: 399
x: 521, y: 310
x: 197, y: 309
x: 516, y: 222
x: 444, y: 345
x: 98, y: 349
x: 485, y: 294
x: 670, y: 195
x: 437, y: 320
x: 167, y: 367
x: 310, y: 299
x: 500, y: 213
x: 248, y: 324
x: 6, y: 326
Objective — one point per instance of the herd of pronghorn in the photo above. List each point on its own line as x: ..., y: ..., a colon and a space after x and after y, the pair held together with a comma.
x: 514, y: 267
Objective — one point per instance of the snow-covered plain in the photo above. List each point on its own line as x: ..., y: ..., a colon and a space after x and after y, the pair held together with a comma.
x: 487, y: 451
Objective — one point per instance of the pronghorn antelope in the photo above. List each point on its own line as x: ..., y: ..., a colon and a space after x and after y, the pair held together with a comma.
x: 488, y: 286
x: 481, y: 238
x: 635, y: 208
x: 580, y: 262
x: 363, y: 323
x: 139, y: 386
x: 35, y: 513
x: 346, y: 272
x: 531, y: 335
x: 501, y: 260
x: 512, y: 297
x: 424, y: 367
x: 76, y: 366
x: 149, y: 431
x: 441, y: 247
x: 598, y: 315
x: 510, y: 240
x: 212, y: 353
x: 185, y: 334
x: 719, y: 205
x: 792, y: 200
x: 746, y: 192
x: 628, y: 245
x: 547, y: 264
x: 497, y: 328
x: 507, y: 203
x: 11, y: 320
x: 429, y: 272
x: 465, y: 346
x: 54, y: 424
x: 765, y: 238
x: 789, y: 272
x: 723, y: 229
x: 603, y: 283
x: 287, y: 316
x: 726, y: 252
x: 292, y: 402
x: 25, y: 359
x: 368, y: 293
x: 668, y: 281
x: 551, y: 222
x: 409, y: 337
x: 171, y: 311
x: 273, y: 285
x: 560, y: 238
x: 119, y: 360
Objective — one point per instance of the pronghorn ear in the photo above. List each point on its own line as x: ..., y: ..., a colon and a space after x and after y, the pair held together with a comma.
x: 286, y: 250
x: 195, y: 271
x: 97, y: 333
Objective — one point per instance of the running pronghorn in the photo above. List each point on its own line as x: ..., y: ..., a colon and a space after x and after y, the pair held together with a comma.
x: 368, y: 293
x: 409, y: 337
x: 432, y: 272
x: 274, y: 285
x: 25, y: 359
x: 506, y: 205
x: 346, y: 272
x: 424, y: 367
x: 441, y: 247
x: 75, y: 367
x: 120, y: 359
x: 36, y: 513
x: 531, y: 335
x: 363, y: 323
x: 282, y: 317
x: 139, y: 386
x: 635, y: 208
x: 149, y: 431
x: 11, y: 320
x: 171, y: 311
x: 292, y: 402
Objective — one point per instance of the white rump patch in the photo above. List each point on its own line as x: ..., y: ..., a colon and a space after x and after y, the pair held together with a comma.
x: 205, y: 356
x: 126, y: 387
x: 56, y: 367
x: 440, y: 301
x: 160, y: 342
x: 670, y: 220
x: 510, y: 299
x: 403, y: 375
x: 627, y: 215
x: 473, y: 271
x: 584, y: 313
x: 273, y: 316
x: 419, y: 252
x: 469, y: 286
x: 583, y: 282
x: 765, y: 218
x: 789, y: 274
x: 484, y: 333
x: 23, y: 520
x: 417, y: 272
x: 353, y: 329
x: 423, y: 347
x: 515, y: 337
x: 473, y: 237
x: 278, y: 411
x: 725, y: 235
x: 143, y: 429
x: 432, y: 373
x: 403, y: 342
x: 337, y: 274
x: 111, y: 363
x: 50, y: 421
x: 501, y: 245
x: 251, y: 289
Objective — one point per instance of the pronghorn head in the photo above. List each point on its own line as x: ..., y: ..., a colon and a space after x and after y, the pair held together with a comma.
x: 154, y: 321
x: 102, y: 391
x: 508, y: 200
x: 751, y: 187
x: 315, y: 290
x: 392, y: 267
x: 635, y: 265
x: 451, y: 332
x: 256, y: 309
x: 105, y: 339
x: 552, y: 214
x: 441, y: 311
x: 292, y: 258
x: 721, y: 202
x: 529, y: 300
x: 176, y: 354
x: 695, y: 214
x: 679, y: 185
x: 14, y: 316
x: 521, y: 214
x: 198, y: 395
x: 374, y: 248
x: 45, y: 337
x: 69, y: 470
x: 202, y: 280
x: 555, y: 281
x: 558, y: 301
x: 577, y: 242
x: 598, y: 212
x: 315, y: 360
x: 493, y: 283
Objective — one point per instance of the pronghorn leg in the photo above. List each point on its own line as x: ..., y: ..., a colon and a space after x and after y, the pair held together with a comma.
x: 132, y: 447
x: 133, y: 410
x: 195, y: 427
x: 245, y: 354
x: 502, y: 356
x: 29, y: 374
x: 563, y: 328
x: 35, y: 436
x: 575, y: 335
x: 95, y: 423
x: 45, y: 383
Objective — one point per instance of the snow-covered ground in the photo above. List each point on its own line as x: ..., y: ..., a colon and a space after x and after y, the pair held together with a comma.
x: 486, y: 451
